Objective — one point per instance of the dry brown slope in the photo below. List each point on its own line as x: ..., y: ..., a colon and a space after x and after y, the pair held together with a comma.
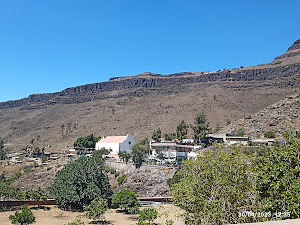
x: 140, y: 104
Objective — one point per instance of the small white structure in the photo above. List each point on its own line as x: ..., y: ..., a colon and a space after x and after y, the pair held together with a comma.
x: 116, y: 144
x: 230, y: 140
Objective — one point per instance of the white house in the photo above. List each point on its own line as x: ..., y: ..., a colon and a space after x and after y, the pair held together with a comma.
x: 116, y: 144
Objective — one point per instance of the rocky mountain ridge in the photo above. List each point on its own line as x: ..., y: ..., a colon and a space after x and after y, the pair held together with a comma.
x: 277, y: 73
x: 139, y: 104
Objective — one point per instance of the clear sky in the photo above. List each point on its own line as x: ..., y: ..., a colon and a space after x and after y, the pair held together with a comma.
x: 47, y: 46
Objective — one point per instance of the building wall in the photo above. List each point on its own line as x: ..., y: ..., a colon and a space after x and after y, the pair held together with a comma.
x: 113, y: 146
x: 127, y: 144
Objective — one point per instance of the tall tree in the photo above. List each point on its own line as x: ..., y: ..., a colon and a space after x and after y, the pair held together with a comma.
x: 140, y: 151
x: 156, y: 135
x: 200, y: 127
x: 182, y: 129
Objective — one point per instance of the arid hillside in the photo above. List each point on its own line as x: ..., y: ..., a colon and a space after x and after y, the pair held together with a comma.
x: 139, y: 104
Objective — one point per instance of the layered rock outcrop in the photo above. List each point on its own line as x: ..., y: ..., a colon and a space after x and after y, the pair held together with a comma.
x: 275, y: 74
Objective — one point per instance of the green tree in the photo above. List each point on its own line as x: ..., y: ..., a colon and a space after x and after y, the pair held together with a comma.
x: 182, y: 129
x: 96, y: 209
x: 170, y: 137
x: 156, y: 135
x: 279, y: 178
x: 101, y: 152
x: 200, y: 127
x: 1, y: 144
x: 38, y: 194
x: 140, y: 151
x: 23, y: 217
x: 81, y: 181
x: 124, y: 156
x: 216, y: 187
x: 126, y: 200
x: 148, y: 214
x: 86, y: 142
x: 269, y: 134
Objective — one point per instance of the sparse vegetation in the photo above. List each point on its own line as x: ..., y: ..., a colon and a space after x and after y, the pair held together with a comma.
x: 240, y: 132
x: 78, y: 221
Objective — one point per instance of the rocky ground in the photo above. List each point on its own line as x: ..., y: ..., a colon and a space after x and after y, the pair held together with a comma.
x: 147, y: 181
x: 279, y: 117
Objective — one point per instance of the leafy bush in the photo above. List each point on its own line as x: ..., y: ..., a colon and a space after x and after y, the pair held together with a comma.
x: 96, y: 209
x: 269, y: 134
x: 216, y: 187
x: 81, y: 181
x: 279, y: 178
x: 121, y: 179
x: 86, y: 142
x: 23, y: 217
x: 125, y: 199
x: 78, y: 221
x: 148, y: 214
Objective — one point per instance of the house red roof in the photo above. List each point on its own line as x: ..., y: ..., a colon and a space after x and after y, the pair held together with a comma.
x: 113, y: 139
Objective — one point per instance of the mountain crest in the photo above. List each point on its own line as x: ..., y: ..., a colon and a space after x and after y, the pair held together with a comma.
x: 295, y: 46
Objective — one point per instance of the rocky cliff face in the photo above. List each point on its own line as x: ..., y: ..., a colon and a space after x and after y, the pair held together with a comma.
x: 133, y: 86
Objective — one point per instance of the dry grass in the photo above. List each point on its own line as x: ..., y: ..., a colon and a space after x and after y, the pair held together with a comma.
x: 56, y: 216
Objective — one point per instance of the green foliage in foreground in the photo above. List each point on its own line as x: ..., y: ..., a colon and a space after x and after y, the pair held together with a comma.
x: 96, y: 209
x: 223, y: 183
x: 215, y: 187
x: 148, y: 214
x: 81, y: 181
x: 279, y: 178
x: 23, y: 217
x: 126, y: 200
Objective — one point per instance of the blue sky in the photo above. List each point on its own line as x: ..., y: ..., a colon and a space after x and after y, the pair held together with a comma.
x: 47, y: 46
